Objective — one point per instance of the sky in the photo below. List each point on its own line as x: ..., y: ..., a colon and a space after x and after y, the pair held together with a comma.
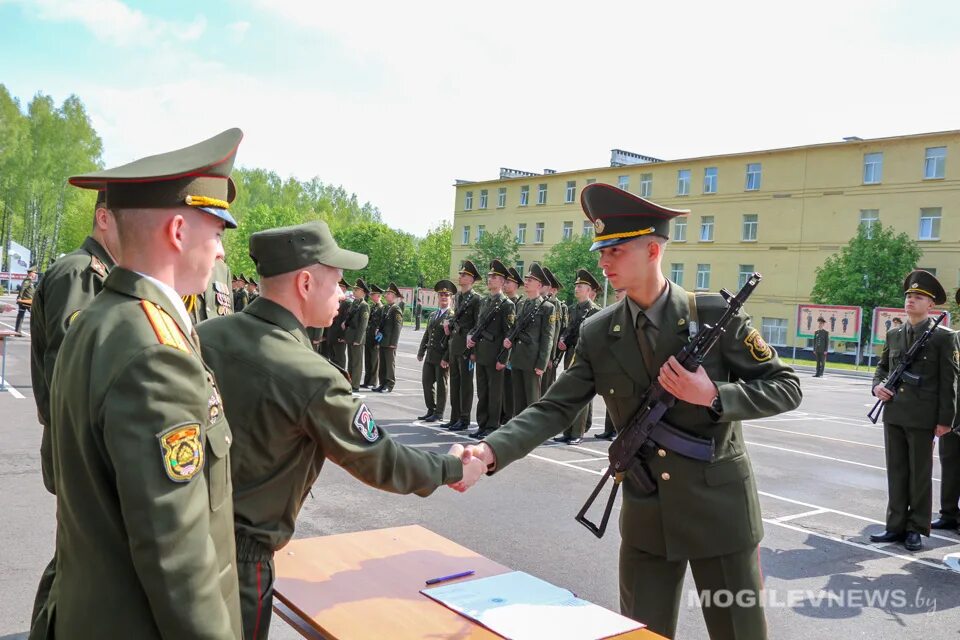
x: 396, y: 101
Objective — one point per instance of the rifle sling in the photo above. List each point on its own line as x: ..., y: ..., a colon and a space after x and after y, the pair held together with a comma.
x: 683, y: 443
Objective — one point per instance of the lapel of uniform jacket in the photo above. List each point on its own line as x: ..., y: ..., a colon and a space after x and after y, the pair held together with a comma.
x: 674, y: 325
x: 623, y: 343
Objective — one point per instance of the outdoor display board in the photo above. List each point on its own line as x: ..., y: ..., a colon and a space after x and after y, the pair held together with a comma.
x: 883, y: 321
x: 843, y: 323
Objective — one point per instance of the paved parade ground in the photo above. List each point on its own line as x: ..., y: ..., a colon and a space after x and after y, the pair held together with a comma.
x: 820, y: 471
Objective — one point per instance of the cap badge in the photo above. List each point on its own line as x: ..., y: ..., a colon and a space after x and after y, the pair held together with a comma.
x: 598, y: 225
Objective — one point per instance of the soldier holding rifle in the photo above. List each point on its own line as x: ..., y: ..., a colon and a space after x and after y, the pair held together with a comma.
x: 922, y: 405
x: 467, y: 304
x: 531, y: 340
x: 705, y: 514
x: 585, y: 289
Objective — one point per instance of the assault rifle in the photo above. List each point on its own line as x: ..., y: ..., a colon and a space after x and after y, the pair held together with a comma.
x: 646, y: 430
x: 445, y: 340
x: 900, y: 374
x: 569, y: 336
x: 521, y: 326
x: 480, y: 327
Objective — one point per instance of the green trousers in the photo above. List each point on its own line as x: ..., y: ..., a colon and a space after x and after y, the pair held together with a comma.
x: 489, y: 396
x: 526, y: 388
x: 338, y: 353
x: 371, y: 362
x: 461, y: 388
x: 507, y: 411
x: 909, y: 453
x: 433, y: 379
x: 728, y: 588
x: 355, y: 363
x: 256, y: 574
x: 388, y: 367
x: 950, y: 476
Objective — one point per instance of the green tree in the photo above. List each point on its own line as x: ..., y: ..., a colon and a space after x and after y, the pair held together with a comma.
x: 433, y: 253
x: 392, y: 254
x: 501, y: 245
x: 568, y: 256
x: 868, y: 272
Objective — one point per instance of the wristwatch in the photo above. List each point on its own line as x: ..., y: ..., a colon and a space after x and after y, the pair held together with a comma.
x: 716, y: 406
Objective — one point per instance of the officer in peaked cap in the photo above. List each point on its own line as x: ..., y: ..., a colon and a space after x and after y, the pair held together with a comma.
x: 371, y: 348
x: 389, y: 337
x: 466, y: 311
x: 923, y: 406
x: 240, y: 297
x: 433, y: 348
x: 620, y: 351
x: 334, y: 343
x: 25, y: 297
x: 292, y: 409
x: 141, y: 447
x: 511, y: 288
x: 949, y: 474
x: 554, y: 286
x: 585, y: 288
x: 531, y: 348
x: 355, y: 331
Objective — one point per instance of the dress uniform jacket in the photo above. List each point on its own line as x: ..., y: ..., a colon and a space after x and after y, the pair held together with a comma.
x: 933, y: 400
x: 336, y: 350
x: 371, y: 350
x: 432, y: 341
x: 68, y: 286
x: 357, y: 319
x: 433, y: 350
x: 467, y: 307
x: 391, y: 326
x: 25, y: 294
x: 240, y: 299
x: 145, y: 544
x: 532, y: 347
x: 581, y: 312
x: 821, y: 341
x: 701, y: 509
x: 490, y: 341
x: 217, y: 300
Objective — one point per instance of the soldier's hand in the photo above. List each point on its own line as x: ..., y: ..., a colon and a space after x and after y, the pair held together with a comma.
x: 444, y: 364
x: 473, y: 468
x: 470, y: 343
x: 539, y: 372
x: 562, y: 345
x: 356, y: 344
x: 485, y: 454
x: 419, y: 358
x: 882, y: 392
x: 694, y: 388
x: 507, y: 344
x: 501, y: 366
x: 446, y: 327
x: 942, y: 430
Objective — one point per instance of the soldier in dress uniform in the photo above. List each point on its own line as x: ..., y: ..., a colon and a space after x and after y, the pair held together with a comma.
x: 609, y: 432
x: 389, y: 338
x: 355, y: 331
x: 496, y: 318
x: 333, y: 336
x: 291, y: 409
x: 467, y: 308
x: 253, y: 291
x: 216, y: 300
x: 371, y: 348
x: 949, y: 451
x: 821, y: 342
x: 553, y: 289
x: 431, y: 353
x: 585, y: 290
x: 925, y: 405
x: 531, y: 349
x: 141, y: 447
x: 68, y: 286
x: 510, y: 289
x: 705, y: 515
x: 240, y: 297
x: 25, y: 298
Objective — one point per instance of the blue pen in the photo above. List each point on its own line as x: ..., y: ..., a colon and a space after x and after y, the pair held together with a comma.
x: 462, y: 574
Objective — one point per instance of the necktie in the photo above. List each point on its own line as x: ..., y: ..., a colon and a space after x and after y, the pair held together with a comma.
x: 646, y: 348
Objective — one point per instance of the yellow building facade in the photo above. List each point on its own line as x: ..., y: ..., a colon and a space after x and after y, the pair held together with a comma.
x: 781, y: 212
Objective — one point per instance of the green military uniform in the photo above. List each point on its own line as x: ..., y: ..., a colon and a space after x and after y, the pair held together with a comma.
x: 530, y: 349
x: 821, y: 343
x: 355, y: 334
x: 571, y: 334
x: 949, y: 451
x: 922, y: 402
x: 550, y: 375
x: 390, y: 327
x: 217, y: 300
x: 290, y: 411
x: 336, y: 343
x: 507, y: 411
x: 705, y: 514
x: 240, y: 297
x: 68, y: 286
x: 432, y: 350
x: 371, y: 348
x: 497, y: 315
x: 467, y: 309
x: 145, y: 545
x: 25, y: 298
x: 252, y: 293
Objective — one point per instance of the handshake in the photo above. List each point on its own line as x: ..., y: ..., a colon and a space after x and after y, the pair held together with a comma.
x: 477, y: 459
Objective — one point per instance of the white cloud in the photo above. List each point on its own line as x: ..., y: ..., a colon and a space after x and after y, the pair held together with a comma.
x: 238, y: 30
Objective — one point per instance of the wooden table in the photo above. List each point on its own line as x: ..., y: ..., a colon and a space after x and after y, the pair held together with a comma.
x: 367, y: 585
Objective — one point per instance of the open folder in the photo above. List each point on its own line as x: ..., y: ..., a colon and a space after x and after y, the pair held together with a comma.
x: 518, y: 606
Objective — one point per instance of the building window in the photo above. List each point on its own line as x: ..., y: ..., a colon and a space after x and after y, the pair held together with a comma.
x: 750, y: 224
x: 567, y: 230
x: 869, y: 218
x: 706, y: 228
x: 679, y: 229
x: 501, y: 197
x: 710, y: 180
x: 703, y: 276
x: 774, y: 331
x: 522, y: 233
x: 465, y: 238
x: 676, y: 273
x: 542, y: 194
x: 932, y: 270
x: 934, y: 163
x: 753, y: 176
x: 587, y: 228
x: 930, y: 224
x: 524, y: 195
x: 468, y: 201
x: 746, y: 270
x: 646, y: 185
x: 538, y: 233
x: 591, y: 180
x: 519, y: 267
x: 571, y: 191
x: 481, y: 229
x: 683, y: 182
x: 872, y: 168
x: 623, y: 182
x: 483, y: 199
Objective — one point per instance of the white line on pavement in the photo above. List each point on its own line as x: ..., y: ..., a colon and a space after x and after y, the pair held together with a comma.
x: 812, y: 435
x: 26, y: 333
x: 802, y: 514
x: 6, y: 386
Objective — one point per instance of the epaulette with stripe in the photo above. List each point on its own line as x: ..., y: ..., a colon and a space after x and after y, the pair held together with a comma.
x: 164, y: 326
x: 97, y: 266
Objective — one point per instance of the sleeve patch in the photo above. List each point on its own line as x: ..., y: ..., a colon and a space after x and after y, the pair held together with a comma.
x: 182, y: 451
x: 97, y: 266
x: 365, y: 424
x: 73, y: 316
x: 759, y: 350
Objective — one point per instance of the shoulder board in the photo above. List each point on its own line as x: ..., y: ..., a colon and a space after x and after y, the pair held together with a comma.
x: 164, y: 326
x: 97, y: 266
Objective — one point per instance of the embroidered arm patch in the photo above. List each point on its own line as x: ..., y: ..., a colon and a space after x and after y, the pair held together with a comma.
x: 759, y: 350
x: 365, y: 424
x: 182, y: 449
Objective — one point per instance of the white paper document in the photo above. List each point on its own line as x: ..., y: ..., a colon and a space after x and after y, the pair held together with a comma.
x: 519, y: 606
